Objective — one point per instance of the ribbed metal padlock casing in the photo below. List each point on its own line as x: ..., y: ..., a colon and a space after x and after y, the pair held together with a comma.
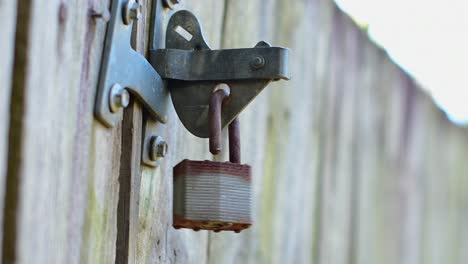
x: 212, y: 195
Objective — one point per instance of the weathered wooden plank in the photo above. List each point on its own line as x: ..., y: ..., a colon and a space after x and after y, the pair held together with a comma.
x: 402, y: 164
x: 321, y: 102
x: 436, y: 167
x: 366, y: 149
x: 102, y: 162
x: 263, y: 140
x: 392, y: 201
x: 394, y: 187
x: 227, y: 247
x: 338, y: 132
x: 36, y: 219
x: 386, y: 190
x: 341, y: 147
x: 462, y: 193
x: 354, y: 81
x: 285, y: 196
x: 129, y: 181
x: 130, y: 161
x: 158, y: 241
x: 442, y: 211
x: 56, y: 150
x: 7, y: 35
x: 296, y: 174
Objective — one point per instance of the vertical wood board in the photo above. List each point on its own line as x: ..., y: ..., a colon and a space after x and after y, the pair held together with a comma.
x: 158, y: 241
x: 7, y: 35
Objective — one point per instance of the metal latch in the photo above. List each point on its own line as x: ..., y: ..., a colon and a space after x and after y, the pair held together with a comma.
x: 193, y: 70
x: 190, y: 66
x: 209, y: 88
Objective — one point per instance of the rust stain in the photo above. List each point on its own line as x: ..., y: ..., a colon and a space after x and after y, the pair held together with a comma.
x: 216, y: 101
x: 234, y: 141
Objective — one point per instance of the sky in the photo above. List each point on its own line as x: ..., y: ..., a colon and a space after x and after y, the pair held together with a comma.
x: 428, y: 39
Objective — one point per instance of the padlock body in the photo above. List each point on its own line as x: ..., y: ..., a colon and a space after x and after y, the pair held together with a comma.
x: 212, y: 195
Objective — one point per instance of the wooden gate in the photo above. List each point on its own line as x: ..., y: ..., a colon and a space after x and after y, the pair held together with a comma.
x: 352, y: 162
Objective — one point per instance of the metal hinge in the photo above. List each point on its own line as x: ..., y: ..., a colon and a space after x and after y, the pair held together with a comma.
x: 124, y: 70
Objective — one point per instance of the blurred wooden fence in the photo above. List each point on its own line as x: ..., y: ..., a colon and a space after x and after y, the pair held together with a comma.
x: 352, y: 161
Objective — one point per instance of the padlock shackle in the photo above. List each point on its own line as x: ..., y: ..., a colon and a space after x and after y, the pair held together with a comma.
x: 218, y: 98
x: 216, y: 102
x: 234, y: 141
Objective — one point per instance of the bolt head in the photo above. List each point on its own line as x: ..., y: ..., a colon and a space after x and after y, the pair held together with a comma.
x: 159, y: 148
x: 119, y: 98
x: 135, y: 11
x: 132, y: 11
x: 257, y: 62
x: 123, y: 98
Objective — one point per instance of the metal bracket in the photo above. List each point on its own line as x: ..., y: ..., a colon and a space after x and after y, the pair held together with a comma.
x: 193, y: 70
x: 123, y: 66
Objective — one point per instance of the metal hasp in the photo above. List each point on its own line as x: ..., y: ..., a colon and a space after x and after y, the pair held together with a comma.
x: 193, y: 70
x: 124, y: 67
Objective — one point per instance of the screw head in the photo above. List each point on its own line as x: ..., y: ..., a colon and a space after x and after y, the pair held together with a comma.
x: 158, y: 148
x: 132, y: 11
x: 171, y: 3
x: 257, y: 62
x: 118, y: 98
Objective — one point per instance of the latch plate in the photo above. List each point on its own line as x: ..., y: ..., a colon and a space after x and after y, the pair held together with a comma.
x: 193, y: 70
x: 124, y: 66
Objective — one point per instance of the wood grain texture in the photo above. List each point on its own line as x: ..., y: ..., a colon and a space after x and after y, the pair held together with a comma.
x: 129, y: 184
x: 341, y: 156
x: 7, y: 35
x: 351, y: 160
x: 37, y: 195
x: 158, y: 241
x: 64, y: 168
x: 130, y: 159
x: 243, y: 27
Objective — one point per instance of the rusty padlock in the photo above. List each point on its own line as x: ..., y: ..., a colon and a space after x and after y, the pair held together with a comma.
x: 213, y: 195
